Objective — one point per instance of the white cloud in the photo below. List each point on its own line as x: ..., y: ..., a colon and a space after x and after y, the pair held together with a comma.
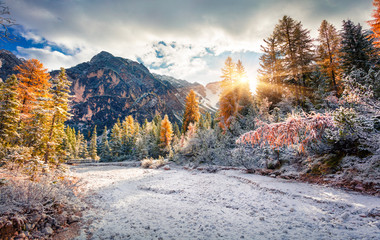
x: 133, y: 28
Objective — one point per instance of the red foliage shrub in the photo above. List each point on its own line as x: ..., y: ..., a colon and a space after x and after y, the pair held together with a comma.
x: 295, y: 131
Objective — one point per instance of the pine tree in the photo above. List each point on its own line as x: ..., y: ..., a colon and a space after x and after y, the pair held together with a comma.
x: 59, y: 104
x: 166, y: 133
x: 116, y: 141
x: 191, y: 114
x: 295, y: 45
x: 93, y: 146
x: 105, y: 150
x: 375, y: 23
x: 328, y: 53
x: 176, y: 130
x: 9, y: 111
x: 271, y: 72
x: 357, y: 48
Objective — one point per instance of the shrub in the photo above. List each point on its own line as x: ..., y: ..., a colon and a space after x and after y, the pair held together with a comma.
x: 153, y: 163
x: 36, y: 207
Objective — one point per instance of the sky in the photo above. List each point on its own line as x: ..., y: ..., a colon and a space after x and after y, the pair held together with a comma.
x: 184, y: 39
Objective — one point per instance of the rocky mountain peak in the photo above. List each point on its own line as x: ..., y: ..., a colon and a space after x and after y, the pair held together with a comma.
x: 102, y: 56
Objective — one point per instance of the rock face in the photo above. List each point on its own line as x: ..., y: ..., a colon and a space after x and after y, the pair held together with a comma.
x: 107, y: 88
x: 7, y: 63
x: 207, y: 99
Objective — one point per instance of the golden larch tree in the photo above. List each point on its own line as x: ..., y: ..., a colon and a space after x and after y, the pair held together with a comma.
x: 166, y: 132
x: 33, y: 84
x: 228, y: 100
x: 328, y: 53
x: 191, y: 114
x: 375, y: 23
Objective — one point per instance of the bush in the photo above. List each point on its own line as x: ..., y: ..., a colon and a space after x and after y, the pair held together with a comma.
x: 36, y: 209
x: 153, y: 163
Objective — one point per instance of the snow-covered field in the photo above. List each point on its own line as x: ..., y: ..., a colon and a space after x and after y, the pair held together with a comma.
x: 136, y: 203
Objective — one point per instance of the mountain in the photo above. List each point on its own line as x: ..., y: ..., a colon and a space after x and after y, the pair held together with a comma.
x: 107, y: 88
x: 208, y: 96
x: 7, y: 63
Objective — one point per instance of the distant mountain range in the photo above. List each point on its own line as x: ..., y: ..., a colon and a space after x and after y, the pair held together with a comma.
x: 107, y: 88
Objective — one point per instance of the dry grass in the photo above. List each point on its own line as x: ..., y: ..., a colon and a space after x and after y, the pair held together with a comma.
x: 153, y: 163
x: 35, y: 209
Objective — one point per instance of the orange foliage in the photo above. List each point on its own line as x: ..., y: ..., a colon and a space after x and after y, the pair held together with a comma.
x: 166, y: 133
x: 34, y: 84
x: 191, y: 114
x: 375, y: 23
x: 296, y: 130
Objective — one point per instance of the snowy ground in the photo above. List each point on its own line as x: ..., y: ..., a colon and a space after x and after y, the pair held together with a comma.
x: 135, y: 203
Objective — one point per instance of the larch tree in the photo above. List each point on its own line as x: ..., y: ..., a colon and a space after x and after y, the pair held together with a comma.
x: 244, y: 95
x: 328, y: 53
x: 191, y: 114
x: 357, y: 50
x: 375, y: 23
x: 228, y: 100
x: 9, y: 111
x: 166, y: 133
x: 33, y: 85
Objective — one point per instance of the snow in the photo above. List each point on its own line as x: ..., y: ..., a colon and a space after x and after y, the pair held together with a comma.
x: 136, y: 203
x: 212, y: 98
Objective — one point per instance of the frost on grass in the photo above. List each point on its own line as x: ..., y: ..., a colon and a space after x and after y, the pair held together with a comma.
x: 36, y: 209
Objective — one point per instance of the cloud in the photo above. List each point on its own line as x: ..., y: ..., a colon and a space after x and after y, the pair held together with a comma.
x: 199, y: 30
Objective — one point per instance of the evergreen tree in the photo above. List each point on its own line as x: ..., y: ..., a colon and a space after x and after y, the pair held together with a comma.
x: 271, y: 72
x: 328, y: 53
x: 357, y: 49
x: 116, y: 141
x: 166, y: 134
x: 93, y: 146
x: 176, y: 130
x: 9, y: 111
x: 191, y: 114
x: 105, y: 150
x: 295, y: 45
x: 60, y: 114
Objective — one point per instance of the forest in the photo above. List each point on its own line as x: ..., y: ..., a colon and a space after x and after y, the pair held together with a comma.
x: 315, y: 114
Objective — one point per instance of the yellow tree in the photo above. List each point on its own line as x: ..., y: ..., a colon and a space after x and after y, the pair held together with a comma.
x: 244, y: 95
x: 35, y: 104
x: 166, y: 133
x: 33, y: 84
x: 328, y: 53
x: 375, y: 23
x: 228, y: 100
x: 191, y: 114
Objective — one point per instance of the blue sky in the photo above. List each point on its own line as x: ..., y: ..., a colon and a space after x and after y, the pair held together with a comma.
x: 184, y: 39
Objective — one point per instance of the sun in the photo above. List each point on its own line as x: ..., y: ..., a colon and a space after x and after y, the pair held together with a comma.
x: 252, y: 82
